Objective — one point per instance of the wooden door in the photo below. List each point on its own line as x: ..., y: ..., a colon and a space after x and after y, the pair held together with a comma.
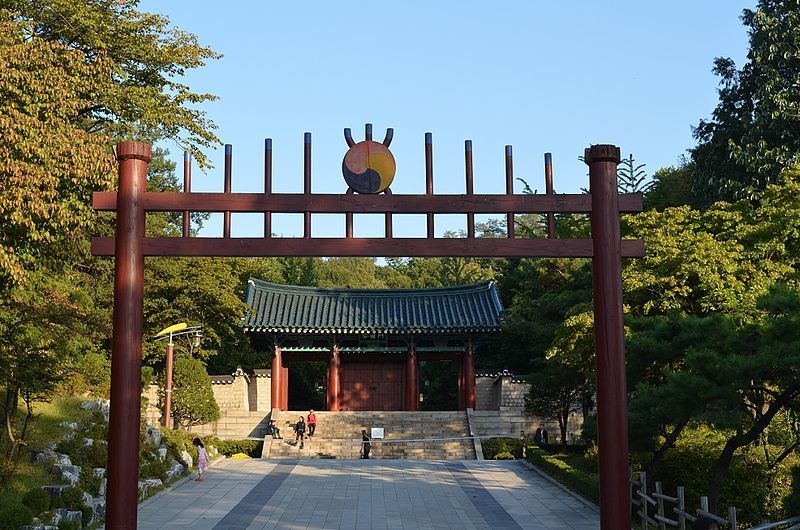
x: 370, y: 385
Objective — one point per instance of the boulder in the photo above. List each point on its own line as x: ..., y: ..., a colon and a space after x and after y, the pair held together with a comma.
x: 61, y: 458
x: 102, y: 489
x: 100, y: 405
x: 98, y: 507
x: 72, y: 478
x: 176, y: 469
x: 162, y: 453
x: 43, y: 456
x: 186, y: 458
x: 88, y: 442
x: 55, y: 490
x: 60, y: 469
x: 69, y: 425
x: 99, y: 472
x: 153, y: 436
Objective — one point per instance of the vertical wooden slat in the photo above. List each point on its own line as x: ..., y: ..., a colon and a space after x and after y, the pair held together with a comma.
x: 187, y: 188
x: 307, y: 182
x: 429, y: 177
x: 267, y: 184
x: 509, y: 189
x: 470, y: 188
x: 226, y: 228
x: 548, y: 183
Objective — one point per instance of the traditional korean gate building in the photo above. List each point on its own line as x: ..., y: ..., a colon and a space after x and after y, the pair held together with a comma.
x: 373, y: 339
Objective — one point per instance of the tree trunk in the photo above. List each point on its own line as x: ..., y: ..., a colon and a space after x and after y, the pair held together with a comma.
x: 740, y: 440
x: 659, y: 453
x: 562, y: 424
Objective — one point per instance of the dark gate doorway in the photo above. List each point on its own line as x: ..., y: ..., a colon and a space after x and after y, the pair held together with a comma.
x: 438, y: 386
x: 372, y: 385
x: 367, y: 174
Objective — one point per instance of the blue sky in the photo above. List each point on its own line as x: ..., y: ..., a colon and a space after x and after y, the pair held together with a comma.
x: 540, y: 76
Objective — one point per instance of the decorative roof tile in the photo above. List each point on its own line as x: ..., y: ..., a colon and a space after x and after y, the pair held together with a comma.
x: 275, y: 308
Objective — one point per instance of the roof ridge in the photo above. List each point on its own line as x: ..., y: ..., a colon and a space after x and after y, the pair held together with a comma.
x: 377, y: 291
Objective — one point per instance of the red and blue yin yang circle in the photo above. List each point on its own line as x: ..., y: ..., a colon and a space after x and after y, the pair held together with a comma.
x: 368, y: 167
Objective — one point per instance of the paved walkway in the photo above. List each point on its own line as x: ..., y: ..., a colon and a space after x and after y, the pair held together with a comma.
x: 356, y: 494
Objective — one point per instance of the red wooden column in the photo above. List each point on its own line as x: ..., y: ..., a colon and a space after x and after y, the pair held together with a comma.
x: 277, y: 377
x: 333, y: 380
x: 615, y: 509
x: 461, y: 385
x: 469, y: 376
x: 412, y: 378
x: 126, y: 346
x: 285, y: 388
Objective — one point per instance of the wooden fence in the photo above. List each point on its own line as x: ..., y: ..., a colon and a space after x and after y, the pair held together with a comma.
x: 660, y: 511
x: 656, y: 509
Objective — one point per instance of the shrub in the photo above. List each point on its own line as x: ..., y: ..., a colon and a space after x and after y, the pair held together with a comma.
x: 37, y: 500
x: 250, y: 448
x: 505, y: 455
x: 177, y: 441
x: 56, y: 502
x: 192, y: 397
x: 579, y: 481
x: 73, y: 499
x: 13, y: 515
x: 69, y: 525
x: 493, y: 446
x: 86, y: 516
x: 90, y: 483
x: 153, y: 468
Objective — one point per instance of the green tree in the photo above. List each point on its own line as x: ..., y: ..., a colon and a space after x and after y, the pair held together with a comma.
x: 193, y: 400
x: 671, y: 186
x: 754, y: 132
x: 631, y: 177
x: 555, y: 392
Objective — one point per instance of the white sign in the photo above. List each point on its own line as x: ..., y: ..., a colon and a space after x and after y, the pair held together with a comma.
x: 377, y: 433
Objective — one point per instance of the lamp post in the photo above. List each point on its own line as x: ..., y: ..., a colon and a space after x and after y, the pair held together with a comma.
x: 168, y: 333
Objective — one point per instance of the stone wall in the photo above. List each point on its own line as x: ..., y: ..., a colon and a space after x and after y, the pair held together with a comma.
x: 511, y: 423
x: 499, y: 390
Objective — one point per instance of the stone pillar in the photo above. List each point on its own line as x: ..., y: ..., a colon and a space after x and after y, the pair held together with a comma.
x: 275, y: 393
x: 334, y: 367
x: 469, y: 376
x: 412, y: 379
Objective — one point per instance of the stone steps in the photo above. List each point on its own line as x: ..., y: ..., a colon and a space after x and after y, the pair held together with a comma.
x: 411, y: 435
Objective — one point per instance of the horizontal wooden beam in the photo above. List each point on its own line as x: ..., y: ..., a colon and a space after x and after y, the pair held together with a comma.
x: 335, y: 203
x: 368, y: 247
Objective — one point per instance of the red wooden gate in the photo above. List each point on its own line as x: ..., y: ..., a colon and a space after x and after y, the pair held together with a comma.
x: 130, y: 246
x: 375, y: 385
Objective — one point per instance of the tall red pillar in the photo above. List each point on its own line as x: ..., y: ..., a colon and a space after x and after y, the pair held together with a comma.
x: 461, y: 385
x: 612, y: 421
x: 277, y: 377
x: 334, y: 366
x: 126, y: 346
x: 412, y: 379
x: 285, y: 388
x: 469, y: 377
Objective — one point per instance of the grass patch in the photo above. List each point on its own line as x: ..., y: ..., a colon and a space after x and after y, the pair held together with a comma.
x: 573, y: 470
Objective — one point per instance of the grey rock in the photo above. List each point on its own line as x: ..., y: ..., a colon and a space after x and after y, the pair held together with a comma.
x: 99, y: 472
x: 39, y: 526
x: 98, y: 506
x: 87, y: 499
x: 69, y: 425
x: 55, y: 490
x: 62, y: 459
x: 88, y: 442
x: 176, y: 469
x: 70, y: 435
x: 186, y: 458
x: 153, y: 436
x: 153, y: 482
x: 43, y: 456
x: 60, y: 469
x: 72, y: 478
x: 162, y: 453
x: 103, y: 484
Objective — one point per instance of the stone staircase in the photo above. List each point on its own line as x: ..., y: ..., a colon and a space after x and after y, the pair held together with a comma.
x: 412, y: 435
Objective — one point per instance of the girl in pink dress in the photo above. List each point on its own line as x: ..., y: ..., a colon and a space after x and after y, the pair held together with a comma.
x: 202, y: 458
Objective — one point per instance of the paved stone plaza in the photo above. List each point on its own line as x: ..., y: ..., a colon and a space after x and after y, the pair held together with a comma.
x: 388, y: 494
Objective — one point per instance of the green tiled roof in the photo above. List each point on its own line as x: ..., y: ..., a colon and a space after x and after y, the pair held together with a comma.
x: 292, y: 309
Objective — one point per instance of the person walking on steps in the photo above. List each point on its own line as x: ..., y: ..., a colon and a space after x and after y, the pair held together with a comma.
x: 202, y: 458
x: 300, y: 431
x: 365, y: 444
x: 312, y: 423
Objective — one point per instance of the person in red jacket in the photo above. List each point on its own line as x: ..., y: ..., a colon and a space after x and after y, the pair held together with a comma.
x: 312, y: 423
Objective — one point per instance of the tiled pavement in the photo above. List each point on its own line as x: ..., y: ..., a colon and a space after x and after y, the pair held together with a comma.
x: 380, y: 494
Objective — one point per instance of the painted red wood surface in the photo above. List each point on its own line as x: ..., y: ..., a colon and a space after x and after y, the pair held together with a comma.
x: 369, y: 385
